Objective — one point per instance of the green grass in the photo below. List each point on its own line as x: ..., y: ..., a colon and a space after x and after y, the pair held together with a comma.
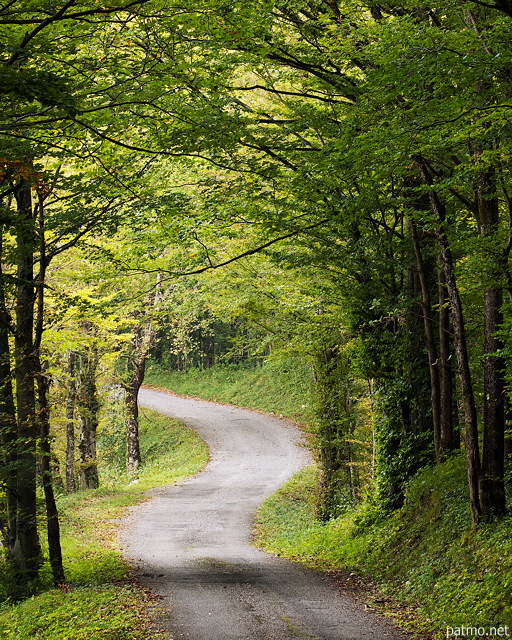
x: 286, y: 525
x: 426, y: 554
x: 282, y: 387
x: 98, y: 601
x: 106, y: 612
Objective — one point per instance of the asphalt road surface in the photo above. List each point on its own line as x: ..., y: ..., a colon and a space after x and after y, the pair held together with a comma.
x: 191, y: 542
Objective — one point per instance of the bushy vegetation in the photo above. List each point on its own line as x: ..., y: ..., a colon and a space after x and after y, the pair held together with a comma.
x: 98, y: 600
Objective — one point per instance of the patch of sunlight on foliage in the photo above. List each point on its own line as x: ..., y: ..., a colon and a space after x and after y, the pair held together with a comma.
x: 282, y: 387
x: 93, y: 604
x: 426, y: 554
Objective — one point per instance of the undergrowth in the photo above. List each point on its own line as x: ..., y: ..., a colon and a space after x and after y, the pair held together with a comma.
x: 426, y: 554
x: 98, y: 600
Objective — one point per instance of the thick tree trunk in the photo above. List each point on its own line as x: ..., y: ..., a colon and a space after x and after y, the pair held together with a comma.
x: 70, y: 424
x: 492, y: 483
x: 335, y: 409
x: 26, y: 548
x: 88, y: 407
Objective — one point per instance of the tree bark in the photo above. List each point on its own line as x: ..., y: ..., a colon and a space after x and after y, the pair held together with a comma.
x: 52, y: 516
x: 142, y: 340
x: 8, y: 431
x: 27, y: 551
x: 459, y: 331
x: 430, y: 343
x: 133, y: 458
x: 336, y: 421
x: 70, y: 424
x: 492, y: 483
x: 88, y: 407
x: 447, y: 440
x: 143, y: 337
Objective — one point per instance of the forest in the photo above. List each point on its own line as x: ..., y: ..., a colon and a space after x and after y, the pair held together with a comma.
x: 316, y: 187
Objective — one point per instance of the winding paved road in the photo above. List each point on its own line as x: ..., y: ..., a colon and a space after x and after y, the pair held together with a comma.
x: 191, y: 541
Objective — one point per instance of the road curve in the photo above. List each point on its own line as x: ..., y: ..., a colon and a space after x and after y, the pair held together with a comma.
x: 191, y: 541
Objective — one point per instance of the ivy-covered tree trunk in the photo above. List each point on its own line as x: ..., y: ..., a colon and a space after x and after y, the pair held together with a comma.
x: 70, y: 424
x: 335, y: 411
x: 87, y: 408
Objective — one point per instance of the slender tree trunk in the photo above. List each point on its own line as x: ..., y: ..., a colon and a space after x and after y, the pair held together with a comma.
x: 143, y: 338
x: 70, y: 424
x: 447, y: 436
x: 459, y: 331
x: 136, y: 365
x: 52, y: 516
x: 133, y: 458
x: 88, y: 407
x: 492, y: 484
x: 8, y: 431
x: 470, y: 414
x: 26, y: 548
x: 430, y: 343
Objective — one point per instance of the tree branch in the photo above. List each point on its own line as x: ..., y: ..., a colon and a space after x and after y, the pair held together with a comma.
x: 250, y: 252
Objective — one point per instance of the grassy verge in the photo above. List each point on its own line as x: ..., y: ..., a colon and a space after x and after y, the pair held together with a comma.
x: 281, y: 387
x: 426, y: 554
x: 98, y: 601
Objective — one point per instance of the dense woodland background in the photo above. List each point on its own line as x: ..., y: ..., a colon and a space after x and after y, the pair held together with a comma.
x: 321, y: 187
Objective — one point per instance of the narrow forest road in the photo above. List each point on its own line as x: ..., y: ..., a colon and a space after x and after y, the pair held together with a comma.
x: 191, y: 541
